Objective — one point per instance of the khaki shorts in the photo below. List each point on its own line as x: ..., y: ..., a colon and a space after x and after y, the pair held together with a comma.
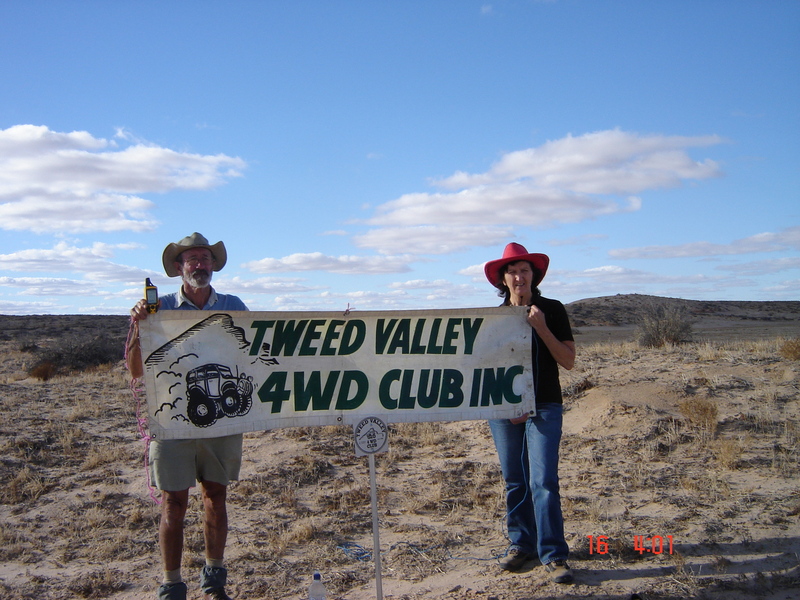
x: 176, y: 465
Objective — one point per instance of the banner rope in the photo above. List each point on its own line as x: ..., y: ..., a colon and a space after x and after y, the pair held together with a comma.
x: 136, y: 387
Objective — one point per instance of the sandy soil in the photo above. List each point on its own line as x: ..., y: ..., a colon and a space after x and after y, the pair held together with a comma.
x: 640, y: 457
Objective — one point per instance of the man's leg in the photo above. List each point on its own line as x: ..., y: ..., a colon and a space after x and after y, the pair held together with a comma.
x: 214, y: 575
x: 170, y: 530
x: 215, y: 522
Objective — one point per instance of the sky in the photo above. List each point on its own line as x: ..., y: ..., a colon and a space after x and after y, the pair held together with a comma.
x: 374, y: 155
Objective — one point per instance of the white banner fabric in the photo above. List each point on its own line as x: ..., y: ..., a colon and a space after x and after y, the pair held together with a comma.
x: 210, y: 374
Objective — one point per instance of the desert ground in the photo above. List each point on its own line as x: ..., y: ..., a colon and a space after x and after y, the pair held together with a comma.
x: 693, y: 445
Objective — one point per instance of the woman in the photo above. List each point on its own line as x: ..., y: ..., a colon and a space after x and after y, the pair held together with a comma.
x: 528, y: 446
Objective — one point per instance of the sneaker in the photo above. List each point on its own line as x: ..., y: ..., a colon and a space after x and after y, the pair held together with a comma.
x: 515, y: 558
x: 559, y: 571
x: 172, y: 591
x: 212, y: 581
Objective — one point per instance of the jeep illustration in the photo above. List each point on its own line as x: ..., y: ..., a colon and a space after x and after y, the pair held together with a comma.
x: 214, y: 391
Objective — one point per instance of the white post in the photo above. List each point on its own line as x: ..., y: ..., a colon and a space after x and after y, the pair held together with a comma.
x: 376, y: 538
x: 372, y: 436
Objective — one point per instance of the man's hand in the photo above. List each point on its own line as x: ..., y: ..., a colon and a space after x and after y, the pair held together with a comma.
x: 139, y: 311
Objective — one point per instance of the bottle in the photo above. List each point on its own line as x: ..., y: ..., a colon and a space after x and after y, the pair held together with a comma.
x: 317, y: 591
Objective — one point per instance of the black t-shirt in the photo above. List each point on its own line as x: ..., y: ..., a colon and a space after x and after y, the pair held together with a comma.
x: 545, y: 368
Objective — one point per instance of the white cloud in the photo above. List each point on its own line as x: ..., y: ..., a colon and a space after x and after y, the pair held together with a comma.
x: 431, y: 239
x: 316, y: 261
x: 763, y: 267
x: 439, y: 290
x: 49, y: 286
x: 564, y: 181
x: 94, y: 262
x: 263, y: 285
x: 73, y: 182
x: 28, y: 308
x: 621, y: 276
x: 420, y: 284
x: 763, y: 242
x: 604, y: 162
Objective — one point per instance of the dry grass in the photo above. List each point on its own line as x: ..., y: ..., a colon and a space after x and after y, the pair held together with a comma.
x: 674, y: 459
x: 790, y: 349
x: 702, y: 416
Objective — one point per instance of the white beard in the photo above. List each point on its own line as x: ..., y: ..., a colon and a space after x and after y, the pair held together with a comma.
x: 198, y: 279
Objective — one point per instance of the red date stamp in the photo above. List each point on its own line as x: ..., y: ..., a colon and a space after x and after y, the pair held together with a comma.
x: 656, y: 544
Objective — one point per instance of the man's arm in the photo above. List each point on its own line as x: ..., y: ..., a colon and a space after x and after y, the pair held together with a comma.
x: 134, y: 349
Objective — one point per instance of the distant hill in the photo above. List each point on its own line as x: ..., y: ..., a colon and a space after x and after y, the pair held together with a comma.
x: 597, y: 319
x: 624, y: 309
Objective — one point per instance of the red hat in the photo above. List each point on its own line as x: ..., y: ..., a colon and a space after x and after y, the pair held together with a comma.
x: 513, y: 253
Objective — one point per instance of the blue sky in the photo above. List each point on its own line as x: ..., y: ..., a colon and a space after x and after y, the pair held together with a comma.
x: 376, y: 154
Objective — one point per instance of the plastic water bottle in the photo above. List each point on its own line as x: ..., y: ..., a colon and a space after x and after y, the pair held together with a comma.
x: 317, y: 591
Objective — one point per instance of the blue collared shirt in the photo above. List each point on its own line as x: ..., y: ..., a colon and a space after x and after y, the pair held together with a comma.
x: 224, y: 302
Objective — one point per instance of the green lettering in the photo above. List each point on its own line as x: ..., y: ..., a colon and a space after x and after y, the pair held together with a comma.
x: 476, y: 387
x: 407, y: 400
x: 432, y: 347
x: 452, y: 395
x: 492, y: 386
x: 400, y: 338
x: 355, y: 332
x: 361, y: 382
x: 450, y: 334
x: 384, y: 390
x: 382, y: 335
x: 287, y: 335
x: 274, y: 390
x: 416, y: 342
x: 508, y: 384
x: 470, y: 333
x: 312, y: 333
x: 313, y: 393
x: 330, y: 335
x: 261, y: 328
x: 427, y: 395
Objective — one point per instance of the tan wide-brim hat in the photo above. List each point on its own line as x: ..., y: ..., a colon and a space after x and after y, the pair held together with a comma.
x: 195, y: 240
x: 515, y: 252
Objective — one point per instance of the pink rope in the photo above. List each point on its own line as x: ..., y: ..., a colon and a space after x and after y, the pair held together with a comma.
x: 137, y: 387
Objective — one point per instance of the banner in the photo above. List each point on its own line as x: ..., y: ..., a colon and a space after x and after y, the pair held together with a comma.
x: 209, y: 374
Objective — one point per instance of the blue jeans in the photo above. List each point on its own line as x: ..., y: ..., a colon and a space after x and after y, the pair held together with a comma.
x: 528, y: 455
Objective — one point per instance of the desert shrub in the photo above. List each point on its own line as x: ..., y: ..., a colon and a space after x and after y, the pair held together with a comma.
x: 28, y: 346
x: 701, y: 414
x: 660, y: 323
x: 98, y: 584
x: 76, y: 354
x: 790, y: 349
x: 43, y: 370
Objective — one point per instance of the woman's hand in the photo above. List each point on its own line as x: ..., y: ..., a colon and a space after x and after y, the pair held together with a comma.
x: 563, y: 352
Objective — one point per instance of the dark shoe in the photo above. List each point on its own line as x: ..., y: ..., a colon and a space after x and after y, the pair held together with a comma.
x: 172, y: 591
x: 515, y: 558
x: 559, y: 571
x: 212, y: 582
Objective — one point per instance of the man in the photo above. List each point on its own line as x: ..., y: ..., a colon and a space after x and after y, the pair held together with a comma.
x: 175, y: 465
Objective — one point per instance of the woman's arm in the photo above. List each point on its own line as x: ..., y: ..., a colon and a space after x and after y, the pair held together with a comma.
x: 563, y: 352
